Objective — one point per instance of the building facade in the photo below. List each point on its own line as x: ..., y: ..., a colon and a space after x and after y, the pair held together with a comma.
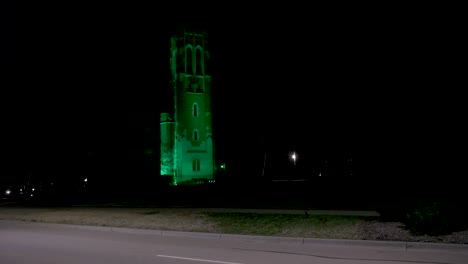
x: 187, y: 151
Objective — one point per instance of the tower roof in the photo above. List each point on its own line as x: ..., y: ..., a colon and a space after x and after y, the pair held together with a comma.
x: 191, y: 30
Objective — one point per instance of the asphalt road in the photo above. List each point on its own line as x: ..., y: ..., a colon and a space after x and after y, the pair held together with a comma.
x: 23, y: 242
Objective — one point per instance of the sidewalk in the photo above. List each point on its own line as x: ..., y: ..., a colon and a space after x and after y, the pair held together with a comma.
x: 286, y: 211
x: 254, y: 210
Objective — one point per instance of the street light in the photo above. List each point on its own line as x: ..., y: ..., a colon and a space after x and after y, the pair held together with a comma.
x: 294, y: 158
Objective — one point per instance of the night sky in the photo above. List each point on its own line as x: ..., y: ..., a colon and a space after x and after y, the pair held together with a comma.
x: 7, y: 32
x: 380, y: 85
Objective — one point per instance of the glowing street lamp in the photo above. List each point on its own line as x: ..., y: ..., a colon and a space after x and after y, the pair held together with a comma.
x: 294, y: 158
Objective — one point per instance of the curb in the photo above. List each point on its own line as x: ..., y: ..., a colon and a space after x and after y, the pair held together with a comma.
x: 399, y: 245
x: 270, y: 239
x: 350, y: 242
x: 436, y: 246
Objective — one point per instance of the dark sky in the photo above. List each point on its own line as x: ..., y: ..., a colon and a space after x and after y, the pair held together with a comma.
x: 378, y: 84
x: 7, y: 32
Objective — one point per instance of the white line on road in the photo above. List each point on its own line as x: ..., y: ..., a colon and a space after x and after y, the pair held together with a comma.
x: 203, y: 260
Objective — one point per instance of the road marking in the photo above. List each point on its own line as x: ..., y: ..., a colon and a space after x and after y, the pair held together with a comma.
x: 202, y: 260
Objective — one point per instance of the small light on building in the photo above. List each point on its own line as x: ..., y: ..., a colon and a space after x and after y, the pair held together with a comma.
x: 8, y: 192
x: 86, y: 179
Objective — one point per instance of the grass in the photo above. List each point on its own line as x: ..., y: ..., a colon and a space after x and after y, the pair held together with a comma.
x: 196, y: 220
x: 319, y: 226
x: 212, y: 220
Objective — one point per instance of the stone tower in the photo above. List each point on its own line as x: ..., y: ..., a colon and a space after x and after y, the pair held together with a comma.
x: 187, y: 151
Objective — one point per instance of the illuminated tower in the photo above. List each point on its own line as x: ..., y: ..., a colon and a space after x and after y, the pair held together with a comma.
x: 186, y: 136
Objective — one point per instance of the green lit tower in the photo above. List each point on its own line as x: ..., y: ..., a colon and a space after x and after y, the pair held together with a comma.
x: 187, y: 151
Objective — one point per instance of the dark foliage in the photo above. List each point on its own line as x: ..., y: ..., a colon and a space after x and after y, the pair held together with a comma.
x: 427, y: 217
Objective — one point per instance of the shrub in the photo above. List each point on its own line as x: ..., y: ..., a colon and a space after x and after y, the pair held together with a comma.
x: 435, y: 218
x: 428, y: 217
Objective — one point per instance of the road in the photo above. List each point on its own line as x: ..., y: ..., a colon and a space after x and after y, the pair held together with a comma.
x: 23, y: 242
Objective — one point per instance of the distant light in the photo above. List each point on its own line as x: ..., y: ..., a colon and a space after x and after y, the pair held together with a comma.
x: 294, y: 156
x: 223, y: 166
x: 33, y: 189
x: 8, y: 192
x: 32, y: 194
x: 149, y: 151
x: 21, y: 190
x: 86, y: 179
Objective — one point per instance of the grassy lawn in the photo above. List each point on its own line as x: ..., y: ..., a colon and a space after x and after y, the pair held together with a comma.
x: 196, y: 220
x: 318, y: 226
x: 213, y: 220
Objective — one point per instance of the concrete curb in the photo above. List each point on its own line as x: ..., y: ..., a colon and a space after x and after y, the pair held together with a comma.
x: 191, y: 234
x: 350, y: 242
x: 436, y: 246
x: 398, y: 245
x: 401, y: 245
x: 270, y: 239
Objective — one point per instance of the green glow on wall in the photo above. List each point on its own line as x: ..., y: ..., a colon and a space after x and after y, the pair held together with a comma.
x: 166, y: 147
x: 174, y: 177
x: 166, y: 163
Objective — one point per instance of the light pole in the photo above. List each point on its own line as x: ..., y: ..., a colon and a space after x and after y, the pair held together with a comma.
x: 264, y: 162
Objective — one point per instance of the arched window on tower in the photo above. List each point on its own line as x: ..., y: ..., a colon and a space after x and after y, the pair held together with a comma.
x: 198, y: 61
x: 195, y: 135
x: 189, y: 68
x: 195, y: 109
x: 196, y: 165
